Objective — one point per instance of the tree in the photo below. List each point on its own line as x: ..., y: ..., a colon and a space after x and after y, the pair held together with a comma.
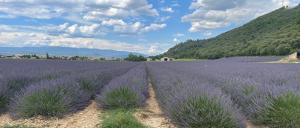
x: 132, y: 57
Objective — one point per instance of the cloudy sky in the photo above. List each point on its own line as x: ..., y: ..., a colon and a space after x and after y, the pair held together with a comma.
x: 145, y: 26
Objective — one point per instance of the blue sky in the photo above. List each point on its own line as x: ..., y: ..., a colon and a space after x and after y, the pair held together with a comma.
x: 145, y: 26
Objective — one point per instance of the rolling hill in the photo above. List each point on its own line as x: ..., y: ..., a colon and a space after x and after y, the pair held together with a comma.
x: 276, y: 33
x: 64, y: 51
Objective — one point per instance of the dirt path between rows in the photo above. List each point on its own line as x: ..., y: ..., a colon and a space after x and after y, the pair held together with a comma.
x: 151, y: 115
x: 87, y: 118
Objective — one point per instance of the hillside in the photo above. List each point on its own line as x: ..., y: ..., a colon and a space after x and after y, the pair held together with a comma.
x: 64, y: 51
x: 276, y: 33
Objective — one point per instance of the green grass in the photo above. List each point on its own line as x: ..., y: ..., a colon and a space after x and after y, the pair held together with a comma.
x: 16, y: 126
x: 284, y: 112
x: 120, y: 118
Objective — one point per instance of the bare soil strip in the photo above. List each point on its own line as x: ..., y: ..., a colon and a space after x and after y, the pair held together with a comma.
x: 151, y: 115
x: 87, y: 118
x: 251, y: 125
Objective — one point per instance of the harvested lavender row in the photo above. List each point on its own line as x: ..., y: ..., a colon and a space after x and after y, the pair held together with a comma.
x: 191, y: 102
x: 126, y: 91
x: 267, y: 93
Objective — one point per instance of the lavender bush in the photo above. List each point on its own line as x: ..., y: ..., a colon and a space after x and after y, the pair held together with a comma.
x: 126, y: 91
x: 49, y: 98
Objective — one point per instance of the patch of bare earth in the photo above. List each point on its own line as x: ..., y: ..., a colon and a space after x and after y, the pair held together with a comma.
x: 251, y: 125
x: 151, y: 115
x: 87, y: 118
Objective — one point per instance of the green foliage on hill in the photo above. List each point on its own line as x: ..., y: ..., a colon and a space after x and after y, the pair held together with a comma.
x: 276, y: 33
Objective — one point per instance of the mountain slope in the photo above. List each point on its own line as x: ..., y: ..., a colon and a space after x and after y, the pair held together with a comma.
x: 276, y: 33
x: 64, y: 51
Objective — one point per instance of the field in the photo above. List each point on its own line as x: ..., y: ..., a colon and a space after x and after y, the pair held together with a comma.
x: 235, y: 92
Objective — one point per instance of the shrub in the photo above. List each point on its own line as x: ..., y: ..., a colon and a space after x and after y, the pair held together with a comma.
x: 122, y: 97
x: 283, y: 112
x: 43, y: 102
x: 49, y: 98
x: 202, y: 112
x: 120, y: 119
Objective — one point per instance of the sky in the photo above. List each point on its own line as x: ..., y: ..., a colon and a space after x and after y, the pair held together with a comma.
x: 146, y: 26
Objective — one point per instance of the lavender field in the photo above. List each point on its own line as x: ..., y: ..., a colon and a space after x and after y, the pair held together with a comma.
x: 228, y: 93
x: 224, y: 93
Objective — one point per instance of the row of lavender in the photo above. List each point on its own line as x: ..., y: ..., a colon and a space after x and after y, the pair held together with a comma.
x: 266, y: 94
x: 53, y: 88
x: 127, y: 91
x: 190, y: 102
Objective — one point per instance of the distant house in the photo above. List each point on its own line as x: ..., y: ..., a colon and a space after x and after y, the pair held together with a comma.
x: 295, y: 56
x: 167, y: 59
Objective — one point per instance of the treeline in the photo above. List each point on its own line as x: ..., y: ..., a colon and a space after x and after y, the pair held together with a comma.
x: 132, y: 57
x: 48, y: 57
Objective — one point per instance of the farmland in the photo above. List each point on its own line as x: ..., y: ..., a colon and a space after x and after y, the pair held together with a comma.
x: 225, y: 93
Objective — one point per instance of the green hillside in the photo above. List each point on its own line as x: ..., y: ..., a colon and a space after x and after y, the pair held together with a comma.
x: 276, y: 33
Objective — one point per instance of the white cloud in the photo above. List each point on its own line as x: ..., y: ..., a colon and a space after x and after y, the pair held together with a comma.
x: 132, y: 28
x: 153, y: 50
x: 89, y: 29
x: 46, y: 9
x: 175, y: 40
x: 113, y: 22
x: 167, y: 9
x: 85, y: 22
x: 157, y: 48
x: 153, y: 27
x: 178, y: 35
x: 82, y: 30
x: 84, y: 14
x: 163, y: 19
x: 208, y: 34
x: 129, y: 28
x: 41, y: 39
x: 212, y: 14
